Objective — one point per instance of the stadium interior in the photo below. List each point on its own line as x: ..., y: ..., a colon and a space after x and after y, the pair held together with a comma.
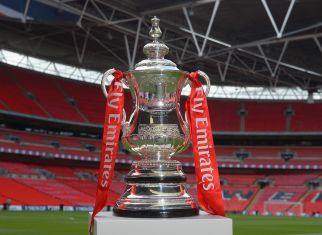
x: 268, y: 153
x: 265, y: 102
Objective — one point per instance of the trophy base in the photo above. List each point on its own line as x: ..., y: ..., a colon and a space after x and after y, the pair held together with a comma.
x: 156, y: 189
x: 105, y: 223
x: 156, y: 213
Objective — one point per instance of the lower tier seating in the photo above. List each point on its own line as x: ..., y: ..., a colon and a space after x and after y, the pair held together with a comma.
x: 58, y: 190
x: 56, y: 185
x: 236, y: 199
x: 313, y: 202
x: 278, y: 199
x: 26, y: 194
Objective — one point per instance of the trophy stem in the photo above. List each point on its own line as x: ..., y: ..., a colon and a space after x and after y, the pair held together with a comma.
x: 156, y: 189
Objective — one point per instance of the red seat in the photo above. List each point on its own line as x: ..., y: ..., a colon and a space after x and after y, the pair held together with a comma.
x: 47, y: 94
x: 237, y: 198
x: 307, y: 117
x: 313, y: 202
x: 26, y: 195
x: 51, y: 96
x: 60, y: 191
x: 265, y: 116
x: 274, y: 196
x: 15, y: 97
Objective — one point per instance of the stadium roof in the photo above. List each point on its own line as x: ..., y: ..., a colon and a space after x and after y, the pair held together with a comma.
x: 267, y: 43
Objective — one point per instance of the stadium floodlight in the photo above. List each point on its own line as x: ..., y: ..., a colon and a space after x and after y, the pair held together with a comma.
x: 91, y: 76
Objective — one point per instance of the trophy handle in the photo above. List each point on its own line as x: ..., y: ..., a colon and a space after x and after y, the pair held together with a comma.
x: 129, y: 125
x: 182, y: 121
x: 208, y: 85
x: 207, y: 80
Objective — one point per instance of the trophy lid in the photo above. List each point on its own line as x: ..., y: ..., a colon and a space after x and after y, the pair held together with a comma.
x: 155, y: 51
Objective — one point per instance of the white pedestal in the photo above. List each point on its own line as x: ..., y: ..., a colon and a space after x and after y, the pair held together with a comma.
x: 106, y: 224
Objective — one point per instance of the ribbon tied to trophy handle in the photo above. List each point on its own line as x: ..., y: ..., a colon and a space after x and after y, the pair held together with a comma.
x: 125, y: 78
x: 115, y: 117
x: 190, y: 77
x: 206, y: 168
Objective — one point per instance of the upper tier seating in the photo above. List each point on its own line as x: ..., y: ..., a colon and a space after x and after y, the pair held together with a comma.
x: 39, y: 94
x: 47, y: 94
x: 89, y: 99
x: 224, y: 115
x: 307, y: 117
x: 16, y: 98
x: 263, y: 116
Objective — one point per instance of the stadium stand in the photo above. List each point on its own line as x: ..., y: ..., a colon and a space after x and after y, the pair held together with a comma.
x: 313, y: 202
x: 276, y: 196
x: 17, y: 168
x: 69, y: 147
x: 224, y: 115
x: 15, y: 98
x: 30, y: 196
x: 91, y: 105
x: 52, y: 185
x: 291, y: 179
x: 237, y: 198
x: 60, y: 185
x: 272, y: 114
x: 52, y: 98
x: 248, y: 180
x: 59, y: 190
x: 307, y: 117
x: 40, y: 95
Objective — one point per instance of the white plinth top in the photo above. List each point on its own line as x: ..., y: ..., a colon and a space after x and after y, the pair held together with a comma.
x: 107, y: 224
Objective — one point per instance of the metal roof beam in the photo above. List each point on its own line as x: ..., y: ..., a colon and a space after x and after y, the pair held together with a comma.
x: 174, y: 28
x: 174, y: 6
x: 279, y: 32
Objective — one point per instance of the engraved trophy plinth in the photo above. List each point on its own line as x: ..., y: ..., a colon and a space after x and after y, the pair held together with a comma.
x: 156, y: 131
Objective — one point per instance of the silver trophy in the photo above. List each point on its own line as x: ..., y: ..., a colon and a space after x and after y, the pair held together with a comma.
x: 156, y: 131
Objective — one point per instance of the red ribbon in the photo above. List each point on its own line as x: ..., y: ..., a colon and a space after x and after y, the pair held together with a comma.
x: 208, y: 182
x: 111, y: 133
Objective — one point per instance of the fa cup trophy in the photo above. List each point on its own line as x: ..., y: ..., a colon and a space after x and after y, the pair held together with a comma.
x: 157, y: 130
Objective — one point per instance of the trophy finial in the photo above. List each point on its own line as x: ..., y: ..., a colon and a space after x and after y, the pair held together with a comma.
x: 155, y: 49
x: 155, y: 31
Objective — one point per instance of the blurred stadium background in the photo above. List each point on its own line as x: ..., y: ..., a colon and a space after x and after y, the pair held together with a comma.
x: 264, y: 58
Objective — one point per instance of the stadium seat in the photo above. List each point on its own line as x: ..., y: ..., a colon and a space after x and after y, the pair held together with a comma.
x: 313, y: 202
x: 265, y: 116
x: 278, y: 198
x: 12, y: 189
